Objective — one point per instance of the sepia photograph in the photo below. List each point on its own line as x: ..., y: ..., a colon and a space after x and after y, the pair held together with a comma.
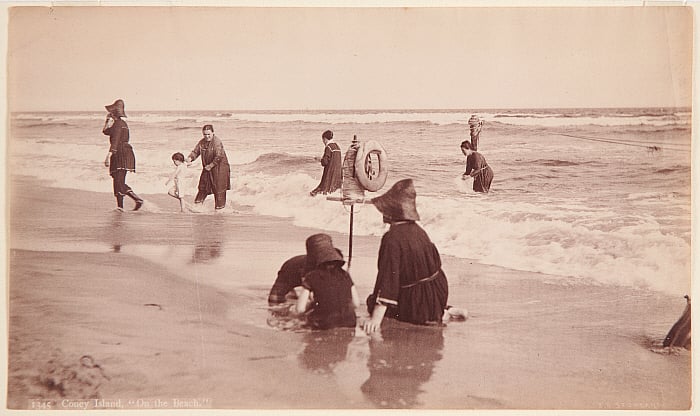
x: 285, y: 208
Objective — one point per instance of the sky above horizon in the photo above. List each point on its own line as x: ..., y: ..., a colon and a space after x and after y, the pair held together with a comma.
x: 237, y: 58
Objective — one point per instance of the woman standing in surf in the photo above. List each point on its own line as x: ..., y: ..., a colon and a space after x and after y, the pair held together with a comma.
x: 332, y: 178
x: 476, y: 168
x: 120, y: 158
x: 216, y: 173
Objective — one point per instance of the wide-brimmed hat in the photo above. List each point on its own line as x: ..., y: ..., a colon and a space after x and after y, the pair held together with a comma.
x: 319, y: 249
x: 117, y: 108
x: 399, y: 202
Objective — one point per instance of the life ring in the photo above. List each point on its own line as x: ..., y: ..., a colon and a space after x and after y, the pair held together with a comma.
x: 371, y: 177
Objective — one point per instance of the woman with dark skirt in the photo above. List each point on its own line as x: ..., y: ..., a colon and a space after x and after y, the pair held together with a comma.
x: 120, y: 158
x: 410, y: 285
x: 216, y: 172
x: 332, y: 178
x: 477, y: 168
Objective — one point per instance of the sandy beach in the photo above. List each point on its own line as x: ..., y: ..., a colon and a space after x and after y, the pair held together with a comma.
x: 106, y: 312
x: 573, y: 266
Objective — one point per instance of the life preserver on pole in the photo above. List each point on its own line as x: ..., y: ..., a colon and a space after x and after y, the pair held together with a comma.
x: 370, y: 176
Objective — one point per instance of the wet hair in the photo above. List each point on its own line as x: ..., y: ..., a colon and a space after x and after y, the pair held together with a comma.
x: 328, y: 135
x: 208, y: 127
x: 466, y: 145
x: 178, y: 156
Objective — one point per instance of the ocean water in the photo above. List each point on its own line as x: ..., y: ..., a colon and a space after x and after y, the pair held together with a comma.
x: 599, y: 196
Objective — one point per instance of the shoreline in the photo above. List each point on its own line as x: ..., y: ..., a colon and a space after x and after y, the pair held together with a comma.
x: 162, y: 331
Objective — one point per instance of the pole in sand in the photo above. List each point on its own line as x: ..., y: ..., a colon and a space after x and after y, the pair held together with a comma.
x: 355, y: 172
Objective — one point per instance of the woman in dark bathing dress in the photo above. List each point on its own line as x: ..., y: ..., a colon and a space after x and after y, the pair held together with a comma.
x: 216, y: 172
x: 410, y: 285
x: 476, y: 168
x: 334, y: 293
x: 120, y: 158
x: 332, y: 178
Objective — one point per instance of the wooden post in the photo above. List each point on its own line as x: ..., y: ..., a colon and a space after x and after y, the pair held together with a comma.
x: 353, y: 193
x: 352, y: 213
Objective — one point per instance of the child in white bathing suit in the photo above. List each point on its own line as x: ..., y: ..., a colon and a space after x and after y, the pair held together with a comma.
x: 178, y: 178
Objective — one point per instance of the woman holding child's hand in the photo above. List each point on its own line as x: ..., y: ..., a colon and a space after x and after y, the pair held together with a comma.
x: 216, y: 173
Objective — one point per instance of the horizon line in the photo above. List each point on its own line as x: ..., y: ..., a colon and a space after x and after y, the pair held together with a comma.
x: 474, y: 109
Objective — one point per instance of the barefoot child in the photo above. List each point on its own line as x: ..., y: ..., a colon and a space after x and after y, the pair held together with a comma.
x: 334, y: 295
x: 177, y: 178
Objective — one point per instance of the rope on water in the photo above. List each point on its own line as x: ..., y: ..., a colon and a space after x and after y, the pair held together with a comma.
x: 635, y: 143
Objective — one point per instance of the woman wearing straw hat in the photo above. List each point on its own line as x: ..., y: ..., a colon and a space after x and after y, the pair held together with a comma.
x: 476, y: 168
x: 410, y: 285
x: 120, y: 158
x: 335, y: 297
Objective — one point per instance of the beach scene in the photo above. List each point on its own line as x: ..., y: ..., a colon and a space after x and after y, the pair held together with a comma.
x: 572, y: 268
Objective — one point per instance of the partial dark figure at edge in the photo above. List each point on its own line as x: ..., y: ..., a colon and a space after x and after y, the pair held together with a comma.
x: 679, y: 335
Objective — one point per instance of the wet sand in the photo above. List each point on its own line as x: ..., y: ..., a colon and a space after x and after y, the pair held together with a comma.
x: 157, y: 309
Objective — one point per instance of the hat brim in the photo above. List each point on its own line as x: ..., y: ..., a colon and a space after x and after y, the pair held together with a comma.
x: 395, y: 210
x: 113, y: 109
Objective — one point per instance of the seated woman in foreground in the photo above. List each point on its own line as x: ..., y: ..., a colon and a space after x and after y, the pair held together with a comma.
x: 334, y: 295
x: 410, y: 285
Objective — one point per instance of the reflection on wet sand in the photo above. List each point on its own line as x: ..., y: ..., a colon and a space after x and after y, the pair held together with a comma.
x: 208, y: 234
x: 117, y: 231
x: 400, y: 361
x: 324, y: 350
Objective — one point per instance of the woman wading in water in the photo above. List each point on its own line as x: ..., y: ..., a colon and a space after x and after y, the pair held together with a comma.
x: 120, y: 158
x: 216, y: 172
x: 476, y: 168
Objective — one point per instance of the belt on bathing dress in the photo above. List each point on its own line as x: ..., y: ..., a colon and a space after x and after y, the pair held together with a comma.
x: 477, y: 171
x: 423, y: 280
